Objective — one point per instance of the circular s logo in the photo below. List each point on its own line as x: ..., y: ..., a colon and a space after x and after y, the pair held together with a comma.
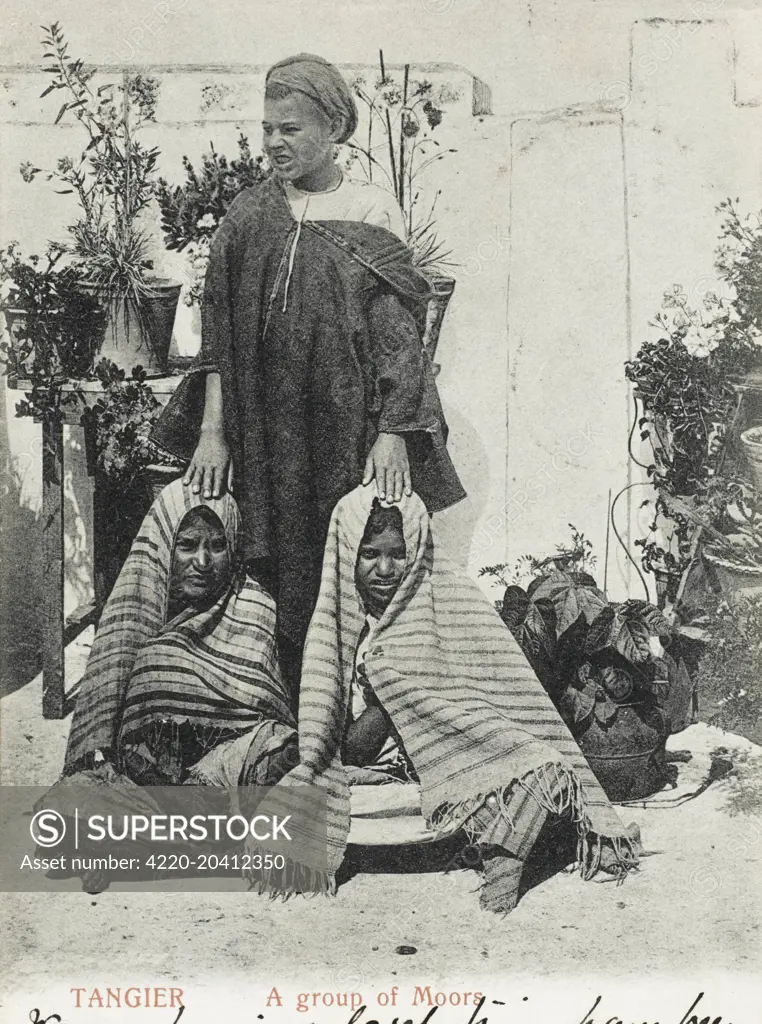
x: 47, y: 828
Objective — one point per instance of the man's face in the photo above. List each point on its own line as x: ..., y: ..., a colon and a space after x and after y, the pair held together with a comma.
x: 200, y: 562
x: 297, y: 137
x: 379, y: 570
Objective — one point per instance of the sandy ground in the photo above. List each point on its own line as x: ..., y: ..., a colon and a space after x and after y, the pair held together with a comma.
x: 694, y: 905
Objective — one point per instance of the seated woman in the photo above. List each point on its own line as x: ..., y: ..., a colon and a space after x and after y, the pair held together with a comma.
x: 183, y: 674
x: 409, y: 672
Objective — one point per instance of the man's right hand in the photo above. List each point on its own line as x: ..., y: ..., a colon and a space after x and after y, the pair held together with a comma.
x: 211, y: 469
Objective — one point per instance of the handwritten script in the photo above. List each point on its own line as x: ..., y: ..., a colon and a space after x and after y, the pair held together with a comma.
x: 597, y: 1014
x: 55, y: 1018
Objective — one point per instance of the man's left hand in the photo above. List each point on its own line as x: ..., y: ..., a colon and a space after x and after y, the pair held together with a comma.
x: 388, y: 463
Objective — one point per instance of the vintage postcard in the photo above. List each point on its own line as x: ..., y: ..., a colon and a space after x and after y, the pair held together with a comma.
x: 381, y: 512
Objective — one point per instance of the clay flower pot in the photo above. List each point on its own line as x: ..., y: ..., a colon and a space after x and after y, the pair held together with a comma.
x: 736, y: 579
x: 141, y: 336
x: 627, y: 756
x: 752, y: 446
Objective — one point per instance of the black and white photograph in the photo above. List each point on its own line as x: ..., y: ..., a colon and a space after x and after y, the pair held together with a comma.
x: 381, y: 454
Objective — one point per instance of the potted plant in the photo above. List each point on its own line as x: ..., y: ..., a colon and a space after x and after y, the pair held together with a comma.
x: 114, y: 180
x: 52, y: 331
x: 735, y: 552
x: 739, y: 262
x: 192, y: 211
x: 607, y: 669
x: 573, y: 557
x: 117, y: 428
x: 619, y: 696
x: 399, y: 144
x: 120, y: 421
x: 53, y: 328
x: 684, y: 384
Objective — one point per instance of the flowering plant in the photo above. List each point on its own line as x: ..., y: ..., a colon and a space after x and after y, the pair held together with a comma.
x: 120, y: 421
x: 685, y: 384
x: 191, y: 212
x: 54, y: 327
x: 399, y: 144
x: 113, y: 177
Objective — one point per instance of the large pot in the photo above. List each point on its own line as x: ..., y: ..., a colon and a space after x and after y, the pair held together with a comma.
x: 140, y: 334
x: 442, y: 288
x: 752, y: 446
x: 627, y: 754
x: 737, y: 580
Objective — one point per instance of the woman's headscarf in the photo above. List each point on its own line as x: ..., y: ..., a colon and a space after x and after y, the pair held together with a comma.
x: 321, y: 81
x: 225, y: 652
x: 472, y: 715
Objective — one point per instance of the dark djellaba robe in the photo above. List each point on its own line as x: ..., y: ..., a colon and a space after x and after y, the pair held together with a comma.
x: 318, y: 351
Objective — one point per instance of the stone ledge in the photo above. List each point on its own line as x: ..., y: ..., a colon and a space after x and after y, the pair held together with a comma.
x: 199, y: 93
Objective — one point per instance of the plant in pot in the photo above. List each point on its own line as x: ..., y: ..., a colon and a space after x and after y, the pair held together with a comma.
x: 117, y: 427
x: 684, y: 385
x: 114, y: 180
x: 53, y: 327
x: 751, y: 440
x: 399, y: 143
x: 606, y: 668
x: 192, y: 211
x: 730, y: 517
x: 739, y: 262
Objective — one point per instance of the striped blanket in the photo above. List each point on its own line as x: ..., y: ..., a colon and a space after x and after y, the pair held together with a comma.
x: 212, y: 675
x: 483, y: 735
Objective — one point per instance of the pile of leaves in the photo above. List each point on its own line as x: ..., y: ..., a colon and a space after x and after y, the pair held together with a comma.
x: 593, y: 655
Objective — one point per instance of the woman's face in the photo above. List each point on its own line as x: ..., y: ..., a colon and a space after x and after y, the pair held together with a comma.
x: 200, y: 562
x: 379, y: 570
x: 299, y: 140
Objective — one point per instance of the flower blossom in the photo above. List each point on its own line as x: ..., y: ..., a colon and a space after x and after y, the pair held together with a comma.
x: 207, y: 221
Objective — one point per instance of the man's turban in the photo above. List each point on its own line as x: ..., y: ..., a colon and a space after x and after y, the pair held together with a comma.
x: 322, y: 82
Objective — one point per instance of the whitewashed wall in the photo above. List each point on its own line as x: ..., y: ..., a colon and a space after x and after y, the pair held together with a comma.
x: 588, y: 191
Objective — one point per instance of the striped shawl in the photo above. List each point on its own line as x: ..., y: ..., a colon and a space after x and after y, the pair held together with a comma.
x: 214, y: 671
x: 474, y: 719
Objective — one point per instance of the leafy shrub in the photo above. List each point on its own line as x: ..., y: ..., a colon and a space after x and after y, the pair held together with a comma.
x: 730, y: 672
x: 593, y: 655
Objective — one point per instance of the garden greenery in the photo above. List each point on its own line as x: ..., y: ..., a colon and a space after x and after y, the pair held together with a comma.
x: 684, y: 382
